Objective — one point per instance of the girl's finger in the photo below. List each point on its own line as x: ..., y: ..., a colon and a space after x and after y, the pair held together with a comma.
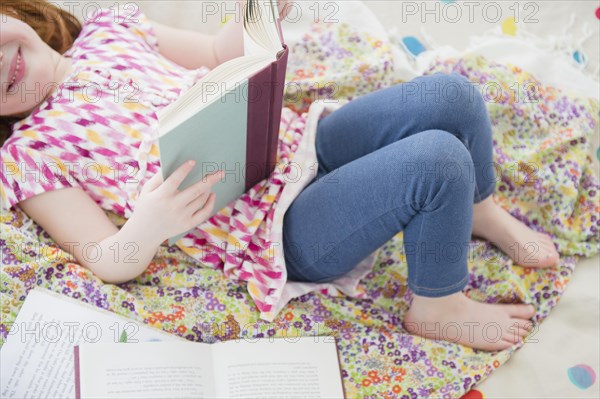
x: 201, y: 215
x: 152, y: 183
x: 199, y: 202
x: 200, y: 187
x: 173, y: 182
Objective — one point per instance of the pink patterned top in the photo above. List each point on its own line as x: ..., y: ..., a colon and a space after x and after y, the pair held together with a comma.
x: 98, y: 131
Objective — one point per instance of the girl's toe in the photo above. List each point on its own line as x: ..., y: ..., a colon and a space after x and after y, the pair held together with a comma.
x: 521, y: 311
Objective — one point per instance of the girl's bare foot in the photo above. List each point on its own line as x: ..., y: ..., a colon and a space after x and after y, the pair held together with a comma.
x: 457, y: 318
x: 525, y: 246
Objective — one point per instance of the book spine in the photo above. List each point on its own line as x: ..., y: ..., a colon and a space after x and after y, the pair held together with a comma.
x: 278, y: 88
x: 257, y: 140
x: 77, y: 373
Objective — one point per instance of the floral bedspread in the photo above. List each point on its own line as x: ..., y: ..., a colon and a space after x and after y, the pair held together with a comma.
x: 541, y: 140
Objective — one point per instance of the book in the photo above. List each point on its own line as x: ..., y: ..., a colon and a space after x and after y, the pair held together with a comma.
x: 36, y: 360
x: 229, y: 120
x: 299, y: 367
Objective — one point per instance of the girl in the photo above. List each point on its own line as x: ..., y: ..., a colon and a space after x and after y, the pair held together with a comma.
x: 414, y: 157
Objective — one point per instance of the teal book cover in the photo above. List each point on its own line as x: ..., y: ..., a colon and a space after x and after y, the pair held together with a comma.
x: 215, y: 138
x: 234, y: 129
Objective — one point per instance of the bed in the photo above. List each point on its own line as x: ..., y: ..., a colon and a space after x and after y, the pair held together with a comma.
x: 557, y: 129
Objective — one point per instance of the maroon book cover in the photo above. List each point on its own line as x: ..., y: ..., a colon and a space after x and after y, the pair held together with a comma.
x: 77, y: 377
x: 265, y: 104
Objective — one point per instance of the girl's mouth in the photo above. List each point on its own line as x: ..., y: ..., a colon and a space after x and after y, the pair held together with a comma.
x: 17, y: 70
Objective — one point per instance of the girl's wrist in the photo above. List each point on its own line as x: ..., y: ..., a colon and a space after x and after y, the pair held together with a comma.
x: 137, y: 231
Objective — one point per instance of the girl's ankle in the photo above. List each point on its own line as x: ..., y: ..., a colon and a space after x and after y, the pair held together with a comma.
x: 438, y: 304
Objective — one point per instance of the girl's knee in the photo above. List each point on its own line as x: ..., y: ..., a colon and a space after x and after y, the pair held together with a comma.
x: 453, y: 93
x: 442, y: 159
x: 440, y: 147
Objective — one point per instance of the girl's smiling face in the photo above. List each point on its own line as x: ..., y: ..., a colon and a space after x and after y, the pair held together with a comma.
x: 24, y: 56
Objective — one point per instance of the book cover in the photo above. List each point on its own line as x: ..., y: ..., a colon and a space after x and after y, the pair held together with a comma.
x: 238, y: 132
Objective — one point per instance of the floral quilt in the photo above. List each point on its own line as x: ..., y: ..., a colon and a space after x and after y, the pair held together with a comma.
x: 541, y: 147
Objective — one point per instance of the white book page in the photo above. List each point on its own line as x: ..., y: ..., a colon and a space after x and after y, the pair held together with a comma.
x: 253, y: 48
x: 300, y: 367
x: 261, y: 32
x: 37, y: 361
x: 261, y: 45
x: 146, y: 370
x: 226, y: 77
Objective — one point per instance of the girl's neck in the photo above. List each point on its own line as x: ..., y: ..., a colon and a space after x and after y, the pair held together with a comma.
x: 62, y: 68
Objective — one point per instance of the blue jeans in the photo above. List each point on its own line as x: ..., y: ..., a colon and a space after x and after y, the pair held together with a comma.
x: 413, y: 157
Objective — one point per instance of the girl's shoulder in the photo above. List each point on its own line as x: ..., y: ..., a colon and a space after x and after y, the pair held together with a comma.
x: 124, y: 24
x: 113, y: 42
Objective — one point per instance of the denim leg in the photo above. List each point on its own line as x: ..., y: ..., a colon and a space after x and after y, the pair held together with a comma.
x: 448, y: 102
x: 420, y: 185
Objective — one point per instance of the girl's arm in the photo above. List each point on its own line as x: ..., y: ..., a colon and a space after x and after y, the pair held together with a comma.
x: 193, y: 50
x: 81, y: 227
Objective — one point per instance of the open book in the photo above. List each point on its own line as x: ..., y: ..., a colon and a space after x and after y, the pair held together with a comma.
x: 229, y: 120
x: 299, y: 367
x: 36, y: 361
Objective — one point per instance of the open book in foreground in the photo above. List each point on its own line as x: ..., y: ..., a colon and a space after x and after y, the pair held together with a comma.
x: 36, y: 361
x: 300, y: 367
x: 229, y: 120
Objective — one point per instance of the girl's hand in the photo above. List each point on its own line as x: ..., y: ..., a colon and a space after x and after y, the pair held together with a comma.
x: 166, y: 211
x: 283, y: 8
